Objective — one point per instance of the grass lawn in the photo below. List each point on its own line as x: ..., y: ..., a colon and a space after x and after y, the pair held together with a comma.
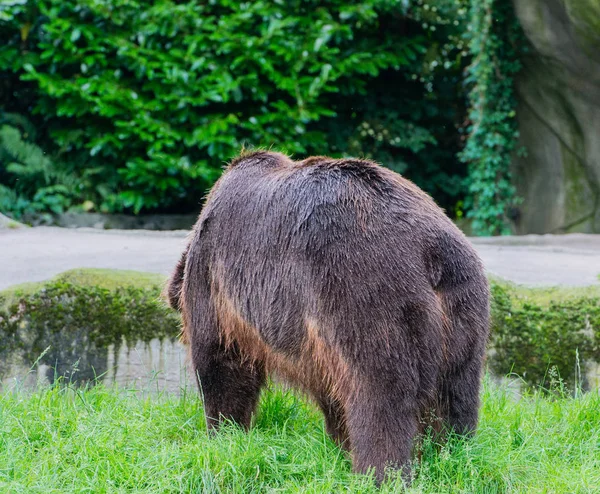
x: 103, y: 440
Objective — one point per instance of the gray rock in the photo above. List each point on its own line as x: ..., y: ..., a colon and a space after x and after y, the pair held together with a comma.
x: 6, y: 222
x: 559, y: 117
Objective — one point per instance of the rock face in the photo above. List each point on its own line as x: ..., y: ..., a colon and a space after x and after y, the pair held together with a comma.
x: 559, y: 117
x: 6, y: 222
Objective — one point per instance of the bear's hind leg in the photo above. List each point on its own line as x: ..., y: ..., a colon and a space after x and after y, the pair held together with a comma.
x: 460, y: 396
x: 461, y: 381
x: 382, y: 423
x: 335, y: 420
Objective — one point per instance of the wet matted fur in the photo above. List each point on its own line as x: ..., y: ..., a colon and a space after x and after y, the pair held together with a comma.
x: 346, y: 280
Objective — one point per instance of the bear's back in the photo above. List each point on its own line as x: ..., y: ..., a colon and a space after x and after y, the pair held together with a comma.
x: 323, y: 231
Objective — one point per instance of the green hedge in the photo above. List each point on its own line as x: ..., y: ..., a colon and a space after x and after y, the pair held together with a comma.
x: 538, y: 334
x: 139, y: 103
x: 545, y: 335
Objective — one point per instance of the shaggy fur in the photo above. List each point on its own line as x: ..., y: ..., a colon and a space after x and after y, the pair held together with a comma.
x: 344, y: 279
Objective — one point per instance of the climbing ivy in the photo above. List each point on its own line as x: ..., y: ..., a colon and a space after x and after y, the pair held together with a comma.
x: 496, y: 42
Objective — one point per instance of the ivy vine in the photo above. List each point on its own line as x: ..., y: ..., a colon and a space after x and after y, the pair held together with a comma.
x: 496, y: 43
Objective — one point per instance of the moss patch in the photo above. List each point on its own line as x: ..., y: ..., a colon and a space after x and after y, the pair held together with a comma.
x: 6, y: 222
x: 72, y: 322
x: 584, y: 15
x: 109, y: 279
x: 545, y: 335
x: 112, y: 278
x: 544, y: 296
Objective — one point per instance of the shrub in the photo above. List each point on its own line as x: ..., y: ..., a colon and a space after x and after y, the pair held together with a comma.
x: 538, y: 337
x: 33, y: 184
x: 151, y: 98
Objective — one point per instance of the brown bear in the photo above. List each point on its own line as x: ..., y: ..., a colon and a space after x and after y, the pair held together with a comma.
x: 344, y: 279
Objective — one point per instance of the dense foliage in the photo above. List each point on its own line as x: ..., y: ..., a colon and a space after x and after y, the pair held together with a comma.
x: 120, y: 105
x: 544, y: 341
x: 142, y: 102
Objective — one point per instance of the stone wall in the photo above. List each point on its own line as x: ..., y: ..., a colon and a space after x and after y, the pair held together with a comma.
x: 559, y: 117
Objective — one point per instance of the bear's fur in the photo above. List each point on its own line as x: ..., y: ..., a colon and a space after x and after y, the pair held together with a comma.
x: 346, y: 280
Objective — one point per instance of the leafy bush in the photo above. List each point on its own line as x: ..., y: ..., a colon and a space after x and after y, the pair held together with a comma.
x: 538, y: 338
x: 36, y: 185
x: 151, y: 98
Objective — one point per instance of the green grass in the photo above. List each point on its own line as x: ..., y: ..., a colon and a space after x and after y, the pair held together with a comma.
x: 103, y: 440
